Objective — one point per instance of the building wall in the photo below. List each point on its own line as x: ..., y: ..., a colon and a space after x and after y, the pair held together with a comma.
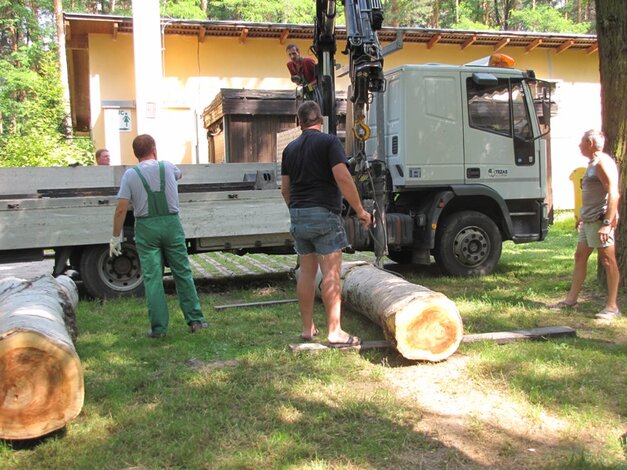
x: 193, y: 73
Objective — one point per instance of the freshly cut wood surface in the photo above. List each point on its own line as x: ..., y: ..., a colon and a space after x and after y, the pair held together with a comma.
x: 41, y: 379
x: 422, y: 324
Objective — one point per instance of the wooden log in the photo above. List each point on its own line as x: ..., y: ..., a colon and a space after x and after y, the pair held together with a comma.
x: 422, y: 324
x: 41, y: 379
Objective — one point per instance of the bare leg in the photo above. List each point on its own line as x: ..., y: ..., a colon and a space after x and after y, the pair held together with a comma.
x: 582, y: 254
x: 305, y: 291
x: 607, y: 257
x: 331, y: 266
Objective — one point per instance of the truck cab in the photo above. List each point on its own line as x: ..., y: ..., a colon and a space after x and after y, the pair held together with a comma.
x: 466, y: 164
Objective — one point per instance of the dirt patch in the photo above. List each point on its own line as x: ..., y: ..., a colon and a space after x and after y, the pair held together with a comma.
x: 487, y: 427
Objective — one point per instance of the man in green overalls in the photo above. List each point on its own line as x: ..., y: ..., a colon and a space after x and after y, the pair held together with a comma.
x: 152, y: 189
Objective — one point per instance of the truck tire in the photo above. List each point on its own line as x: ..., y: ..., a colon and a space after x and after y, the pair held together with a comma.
x: 468, y: 243
x: 105, y: 277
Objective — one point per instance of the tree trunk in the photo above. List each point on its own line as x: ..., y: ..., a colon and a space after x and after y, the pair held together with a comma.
x: 423, y: 324
x: 65, y: 85
x: 42, y: 381
x: 611, y: 20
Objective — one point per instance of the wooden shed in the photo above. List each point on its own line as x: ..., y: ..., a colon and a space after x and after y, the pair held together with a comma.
x: 242, y: 125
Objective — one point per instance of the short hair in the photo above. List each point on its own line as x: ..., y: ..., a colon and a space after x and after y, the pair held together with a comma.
x: 596, y: 137
x: 309, y: 114
x: 289, y: 46
x: 143, y: 145
x: 100, y: 152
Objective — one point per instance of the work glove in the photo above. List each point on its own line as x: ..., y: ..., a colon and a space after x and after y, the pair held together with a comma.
x: 115, y: 246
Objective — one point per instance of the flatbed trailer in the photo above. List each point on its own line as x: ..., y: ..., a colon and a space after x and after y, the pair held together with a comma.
x: 231, y: 207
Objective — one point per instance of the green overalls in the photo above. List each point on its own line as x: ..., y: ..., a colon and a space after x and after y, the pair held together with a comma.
x: 161, y: 231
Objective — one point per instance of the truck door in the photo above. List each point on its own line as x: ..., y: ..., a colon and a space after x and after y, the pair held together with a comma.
x: 499, y: 149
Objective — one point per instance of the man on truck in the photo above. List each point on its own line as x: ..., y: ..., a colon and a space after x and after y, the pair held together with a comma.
x: 302, y: 71
x: 314, y: 176
x: 152, y: 189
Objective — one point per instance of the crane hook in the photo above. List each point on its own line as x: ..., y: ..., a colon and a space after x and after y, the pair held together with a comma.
x: 361, y: 129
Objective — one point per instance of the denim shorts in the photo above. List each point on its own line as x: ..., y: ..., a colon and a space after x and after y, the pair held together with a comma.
x: 317, y: 230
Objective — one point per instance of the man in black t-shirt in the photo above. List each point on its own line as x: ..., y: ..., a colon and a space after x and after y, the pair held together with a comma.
x: 314, y: 176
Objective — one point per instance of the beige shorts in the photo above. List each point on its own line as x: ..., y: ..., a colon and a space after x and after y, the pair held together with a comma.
x: 589, y: 234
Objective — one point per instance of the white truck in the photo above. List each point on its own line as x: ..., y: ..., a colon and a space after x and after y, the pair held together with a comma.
x: 459, y: 165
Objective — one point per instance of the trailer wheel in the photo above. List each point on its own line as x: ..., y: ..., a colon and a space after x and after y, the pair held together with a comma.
x: 403, y: 256
x: 106, y: 277
x: 468, y: 244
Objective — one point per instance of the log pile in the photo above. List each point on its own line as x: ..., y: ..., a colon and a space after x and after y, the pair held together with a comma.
x: 41, y: 379
x: 422, y: 324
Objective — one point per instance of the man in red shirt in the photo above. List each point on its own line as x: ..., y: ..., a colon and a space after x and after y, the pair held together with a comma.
x: 302, y: 70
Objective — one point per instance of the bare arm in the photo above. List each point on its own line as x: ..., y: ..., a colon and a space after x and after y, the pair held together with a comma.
x: 607, y: 173
x: 119, y: 216
x: 347, y: 186
x: 285, y: 188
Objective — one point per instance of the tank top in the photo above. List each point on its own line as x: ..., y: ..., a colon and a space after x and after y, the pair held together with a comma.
x: 593, y: 194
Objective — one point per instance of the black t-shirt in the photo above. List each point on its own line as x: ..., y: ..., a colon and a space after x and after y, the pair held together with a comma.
x: 308, y: 161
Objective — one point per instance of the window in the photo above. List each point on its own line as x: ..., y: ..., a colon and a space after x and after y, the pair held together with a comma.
x: 488, y: 106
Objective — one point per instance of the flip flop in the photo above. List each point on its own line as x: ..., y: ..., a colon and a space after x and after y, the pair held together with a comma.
x: 607, y: 314
x: 351, y: 341
x: 309, y: 338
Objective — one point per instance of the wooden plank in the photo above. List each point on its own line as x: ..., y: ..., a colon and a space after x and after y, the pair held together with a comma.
x: 533, y: 333
x: 255, y: 304
x: 498, y: 337
x: 315, y: 347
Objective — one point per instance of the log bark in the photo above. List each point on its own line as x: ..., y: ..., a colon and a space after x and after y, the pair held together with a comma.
x: 422, y: 324
x: 41, y: 379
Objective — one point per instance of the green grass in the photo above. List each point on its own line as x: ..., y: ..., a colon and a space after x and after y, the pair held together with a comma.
x: 234, y: 397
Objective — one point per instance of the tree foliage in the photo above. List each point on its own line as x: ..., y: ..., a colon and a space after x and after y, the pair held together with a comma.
x: 31, y: 99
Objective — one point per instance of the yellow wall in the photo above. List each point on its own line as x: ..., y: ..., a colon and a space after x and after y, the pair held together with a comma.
x: 194, y: 72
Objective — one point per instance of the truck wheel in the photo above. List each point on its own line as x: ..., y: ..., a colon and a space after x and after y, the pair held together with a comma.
x: 468, y: 244
x: 106, y: 277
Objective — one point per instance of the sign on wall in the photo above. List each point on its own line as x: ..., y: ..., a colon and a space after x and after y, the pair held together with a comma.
x: 125, y: 120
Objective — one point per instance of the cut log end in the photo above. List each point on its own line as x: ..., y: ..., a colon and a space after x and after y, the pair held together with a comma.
x: 432, y: 333
x: 41, y: 388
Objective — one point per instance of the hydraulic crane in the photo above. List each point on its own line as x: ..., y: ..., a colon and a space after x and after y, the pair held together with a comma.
x: 363, y: 19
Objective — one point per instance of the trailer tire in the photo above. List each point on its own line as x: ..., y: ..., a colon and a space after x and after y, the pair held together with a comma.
x: 403, y: 256
x: 105, y: 277
x: 468, y: 243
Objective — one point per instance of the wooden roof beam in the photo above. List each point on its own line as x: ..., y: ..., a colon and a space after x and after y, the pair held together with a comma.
x: 201, y: 35
x: 243, y: 35
x: 284, y: 35
x: 434, y: 40
x: 565, y: 45
x: 533, y: 44
x: 501, y: 44
x: 593, y: 48
x: 469, y: 42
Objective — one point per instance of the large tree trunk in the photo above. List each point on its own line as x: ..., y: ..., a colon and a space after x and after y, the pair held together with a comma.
x: 612, y: 37
x: 41, y: 386
x: 65, y: 84
x: 422, y: 324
